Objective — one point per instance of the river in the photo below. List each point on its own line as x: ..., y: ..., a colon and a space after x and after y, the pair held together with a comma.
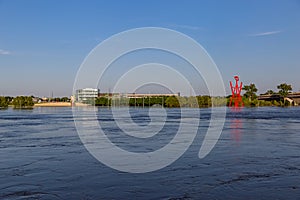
x: 256, y: 157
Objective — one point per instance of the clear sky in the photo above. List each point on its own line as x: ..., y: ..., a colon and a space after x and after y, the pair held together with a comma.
x: 43, y: 43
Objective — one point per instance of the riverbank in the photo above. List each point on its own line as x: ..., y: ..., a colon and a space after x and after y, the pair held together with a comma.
x: 58, y: 104
x: 53, y: 104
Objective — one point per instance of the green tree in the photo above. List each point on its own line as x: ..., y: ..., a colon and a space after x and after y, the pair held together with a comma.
x: 56, y: 99
x: 9, y: 99
x: 65, y: 99
x: 22, y: 102
x: 123, y: 101
x: 192, y: 102
x: 183, y: 101
x: 219, y: 101
x: 172, y: 102
x: 101, y: 101
x: 3, y: 102
x: 269, y: 92
x: 250, y: 91
x: 204, y: 101
x: 284, y: 89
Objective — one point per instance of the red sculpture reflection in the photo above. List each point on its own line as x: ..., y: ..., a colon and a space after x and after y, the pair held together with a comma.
x: 236, y: 126
x: 236, y: 90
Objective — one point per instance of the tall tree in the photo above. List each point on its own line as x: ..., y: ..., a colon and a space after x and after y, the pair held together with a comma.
x: 101, y: 101
x: 250, y: 91
x: 172, y: 102
x: 284, y: 89
x: 3, y: 102
x: 22, y: 102
x: 204, y: 101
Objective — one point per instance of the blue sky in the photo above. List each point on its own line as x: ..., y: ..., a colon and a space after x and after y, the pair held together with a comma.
x: 43, y: 43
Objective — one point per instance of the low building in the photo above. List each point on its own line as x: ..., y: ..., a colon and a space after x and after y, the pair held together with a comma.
x: 86, y: 95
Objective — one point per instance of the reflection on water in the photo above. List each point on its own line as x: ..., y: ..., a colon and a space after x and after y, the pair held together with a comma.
x: 236, y: 125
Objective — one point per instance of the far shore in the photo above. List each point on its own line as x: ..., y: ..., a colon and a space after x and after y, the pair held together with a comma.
x: 58, y: 104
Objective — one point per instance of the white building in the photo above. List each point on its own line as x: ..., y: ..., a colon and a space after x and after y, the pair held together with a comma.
x: 86, y: 95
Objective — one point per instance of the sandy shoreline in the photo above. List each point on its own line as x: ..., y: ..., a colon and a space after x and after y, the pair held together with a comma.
x: 53, y: 104
x: 58, y: 104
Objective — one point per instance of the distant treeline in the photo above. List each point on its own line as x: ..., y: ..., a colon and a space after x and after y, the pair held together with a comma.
x: 161, y: 101
x: 249, y: 99
x: 16, y: 102
x: 27, y: 101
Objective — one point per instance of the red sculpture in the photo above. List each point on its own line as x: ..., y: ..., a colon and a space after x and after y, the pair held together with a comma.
x: 236, y: 93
